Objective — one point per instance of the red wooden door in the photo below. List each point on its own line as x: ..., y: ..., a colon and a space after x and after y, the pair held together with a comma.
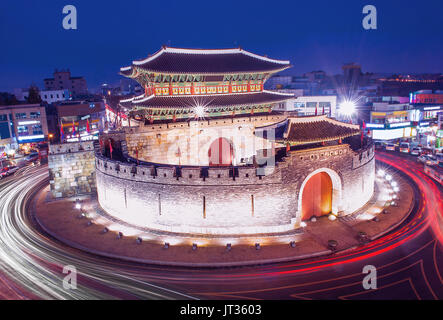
x: 317, y: 196
x: 220, y: 153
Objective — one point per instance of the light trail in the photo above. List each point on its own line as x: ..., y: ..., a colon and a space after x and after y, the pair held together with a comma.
x: 35, y: 262
x: 31, y: 260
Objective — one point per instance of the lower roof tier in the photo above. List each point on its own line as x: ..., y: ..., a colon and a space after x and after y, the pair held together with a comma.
x: 206, y: 101
x: 305, y: 130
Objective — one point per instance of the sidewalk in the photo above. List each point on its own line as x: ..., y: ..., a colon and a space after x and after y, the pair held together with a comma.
x: 61, y: 220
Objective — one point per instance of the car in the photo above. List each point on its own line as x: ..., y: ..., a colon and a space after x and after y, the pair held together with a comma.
x: 7, y: 171
x: 416, y: 151
x: 428, y: 159
x: 12, y: 170
x: 378, y: 145
x: 390, y: 147
x: 404, y: 147
x: 32, y: 157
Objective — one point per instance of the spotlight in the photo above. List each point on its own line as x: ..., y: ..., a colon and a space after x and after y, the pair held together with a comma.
x: 78, y: 204
x: 347, y: 108
x: 394, y: 184
x: 381, y: 172
x: 332, y: 217
x: 396, y: 189
x: 388, y: 177
x: 199, y: 111
x: 303, y: 224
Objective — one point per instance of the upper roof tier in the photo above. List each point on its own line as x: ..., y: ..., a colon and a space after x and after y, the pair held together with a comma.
x: 209, y: 101
x: 206, y: 61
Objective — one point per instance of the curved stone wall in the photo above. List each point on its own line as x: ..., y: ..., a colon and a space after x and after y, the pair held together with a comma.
x: 188, y: 143
x: 226, y: 201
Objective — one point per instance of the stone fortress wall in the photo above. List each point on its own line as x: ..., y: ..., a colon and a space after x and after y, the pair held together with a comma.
x: 232, y: 201
x: 72, y: 169
x: 187, y: 143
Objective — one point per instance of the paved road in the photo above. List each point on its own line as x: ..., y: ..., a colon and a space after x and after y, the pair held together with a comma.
x: 409, y: 261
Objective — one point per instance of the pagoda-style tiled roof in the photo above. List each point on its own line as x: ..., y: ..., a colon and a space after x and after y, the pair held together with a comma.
x: 218, y: 100
x: 312, y: 129
x: 206, y: 61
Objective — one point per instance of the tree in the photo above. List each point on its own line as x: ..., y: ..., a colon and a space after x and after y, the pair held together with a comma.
x: 33, y: 95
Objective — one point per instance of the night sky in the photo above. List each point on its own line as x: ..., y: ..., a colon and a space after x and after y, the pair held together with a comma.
x: 314, y: 35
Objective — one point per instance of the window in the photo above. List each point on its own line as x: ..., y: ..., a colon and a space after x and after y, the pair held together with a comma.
x: 37, y: 129
x: 22, y: 130
x: 34, y: 115
x: 311, y: 104
x: 3, y: 117
x: 20, y: 115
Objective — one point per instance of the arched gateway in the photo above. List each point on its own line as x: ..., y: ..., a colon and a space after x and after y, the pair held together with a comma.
x: 320, y: 194
x: 220, y: 153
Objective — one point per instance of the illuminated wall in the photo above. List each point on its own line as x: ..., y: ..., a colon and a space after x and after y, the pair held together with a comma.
x: 220, y: 204
x: 71, y: 169
x: 188, y: 143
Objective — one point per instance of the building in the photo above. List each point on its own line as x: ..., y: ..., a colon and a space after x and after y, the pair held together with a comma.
x: 390, y: 121
x: 351, y: 73
x: 80, y: 120
x: 22, y: 124
x: 205, y: 153
x: 310, y: 105
x: 63, y: 80
x: 428, y: 105
x: 47, y: 96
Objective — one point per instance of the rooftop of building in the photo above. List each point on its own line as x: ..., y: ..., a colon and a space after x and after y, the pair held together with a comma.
x: 206, y: 61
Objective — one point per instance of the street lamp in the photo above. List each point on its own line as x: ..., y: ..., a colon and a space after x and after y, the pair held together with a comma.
x: 78, y: 204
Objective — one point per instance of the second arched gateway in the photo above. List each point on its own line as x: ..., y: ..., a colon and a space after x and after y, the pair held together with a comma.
x: 206, y: 154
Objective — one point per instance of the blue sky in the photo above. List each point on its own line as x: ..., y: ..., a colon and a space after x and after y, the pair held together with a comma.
x: 314, y: 35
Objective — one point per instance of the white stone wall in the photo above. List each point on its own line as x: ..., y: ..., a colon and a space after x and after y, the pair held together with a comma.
x: 155, y: 198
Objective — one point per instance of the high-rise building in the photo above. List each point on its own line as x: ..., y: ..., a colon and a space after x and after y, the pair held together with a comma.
x: 63, y: 80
